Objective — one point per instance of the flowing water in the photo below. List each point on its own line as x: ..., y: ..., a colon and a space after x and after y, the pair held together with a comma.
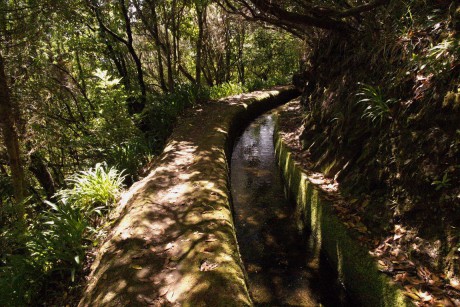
x: 281, y: 269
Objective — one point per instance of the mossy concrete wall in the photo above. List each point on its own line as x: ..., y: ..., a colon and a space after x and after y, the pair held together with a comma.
x: 356, y: 268
x: 173, y: 242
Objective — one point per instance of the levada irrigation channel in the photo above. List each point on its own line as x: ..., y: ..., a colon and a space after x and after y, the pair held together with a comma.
x: 282, y: 271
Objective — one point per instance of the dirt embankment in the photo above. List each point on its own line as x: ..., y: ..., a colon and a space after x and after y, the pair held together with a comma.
x: 340, y: 221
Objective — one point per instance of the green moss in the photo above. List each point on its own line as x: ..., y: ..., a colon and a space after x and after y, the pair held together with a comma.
x: 355, y: 267
x: 194, y: 166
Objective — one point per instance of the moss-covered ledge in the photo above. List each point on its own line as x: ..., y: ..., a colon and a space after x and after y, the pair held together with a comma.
x: 174, y: 241
x: 356, y: 268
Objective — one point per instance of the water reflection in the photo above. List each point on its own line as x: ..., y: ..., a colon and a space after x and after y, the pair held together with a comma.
x: 280, y: 268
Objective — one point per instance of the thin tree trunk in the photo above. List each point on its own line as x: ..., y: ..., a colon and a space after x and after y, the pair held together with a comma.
x: 186, y: 73
x: 199, y: 44
x: 174, y: 30
x: 40, y: 170
x: 11, y: 139
x: 161, y: 72
x: 138, y: 106
x: 134, y: 105
x: 208, y: 76
x: 228, y: 50
x: 155, y: 32
x: 169, y: 59
x: 241, y: 38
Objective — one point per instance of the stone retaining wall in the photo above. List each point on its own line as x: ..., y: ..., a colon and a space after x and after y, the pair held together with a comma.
x: 174, y: 241
x: 356, y: 268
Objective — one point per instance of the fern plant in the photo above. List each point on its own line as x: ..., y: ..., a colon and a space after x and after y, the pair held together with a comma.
x: 61, y: 244
x: 226, y: 89
x: 57, y: 240
x: 377, y: 107
x: 442, y: 56
x: 441, y: 183
x: 94, y: 189
x: 20, y: 280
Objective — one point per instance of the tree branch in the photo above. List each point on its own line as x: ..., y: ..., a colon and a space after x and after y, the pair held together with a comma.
x: 323, y: 17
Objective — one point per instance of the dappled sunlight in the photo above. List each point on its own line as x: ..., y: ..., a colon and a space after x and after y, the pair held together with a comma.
x: 339, y: 262
x: 315, y: 224
x: 175, y: 192
x: 174, y: 240
x: 187, y: 176
x: 221, y: 131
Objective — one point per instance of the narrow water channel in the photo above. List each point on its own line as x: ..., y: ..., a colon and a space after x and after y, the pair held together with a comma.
x: 281, y: 270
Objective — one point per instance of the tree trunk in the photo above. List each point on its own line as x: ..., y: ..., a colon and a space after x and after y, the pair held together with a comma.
x: 228, y: 50
x: 241, y: 38
x: 169, y: 61
x: 40, y: 170
x: 134, y: 105
x: 155, y: 31
x: 161, y: 73
x: 174, y: 33
x: 186, y: 73
x: 199, y: 43
x: 11, y: 139
x: 138, y: 105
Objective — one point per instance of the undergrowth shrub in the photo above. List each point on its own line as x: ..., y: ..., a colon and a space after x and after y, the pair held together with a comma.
x: 402, y: 152
x: 258, y: 83
x: 226, y: 89
x: 93, y: 189
x: 131, y: 156
x: 53, y: 249
x: 377, y: 107
x: 20, y: 280
x: 60, y: 240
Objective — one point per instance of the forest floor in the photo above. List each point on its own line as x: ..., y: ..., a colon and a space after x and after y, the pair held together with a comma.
x: 393, y: 250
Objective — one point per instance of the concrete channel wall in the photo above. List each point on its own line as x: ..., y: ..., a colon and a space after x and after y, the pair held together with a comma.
x: 356, y: 268
x: 173, y: 242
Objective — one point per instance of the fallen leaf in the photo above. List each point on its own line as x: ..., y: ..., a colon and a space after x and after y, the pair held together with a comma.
x: 414, y: 280
x: 169, y: 246
x: 455, y: 283
x: 401, y: 277
x: 208, y: 266
x: 135, y: 266
x: 425, y: 296
x: 410, y: 293
x: 140, y: 255
x: 412, y: 296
